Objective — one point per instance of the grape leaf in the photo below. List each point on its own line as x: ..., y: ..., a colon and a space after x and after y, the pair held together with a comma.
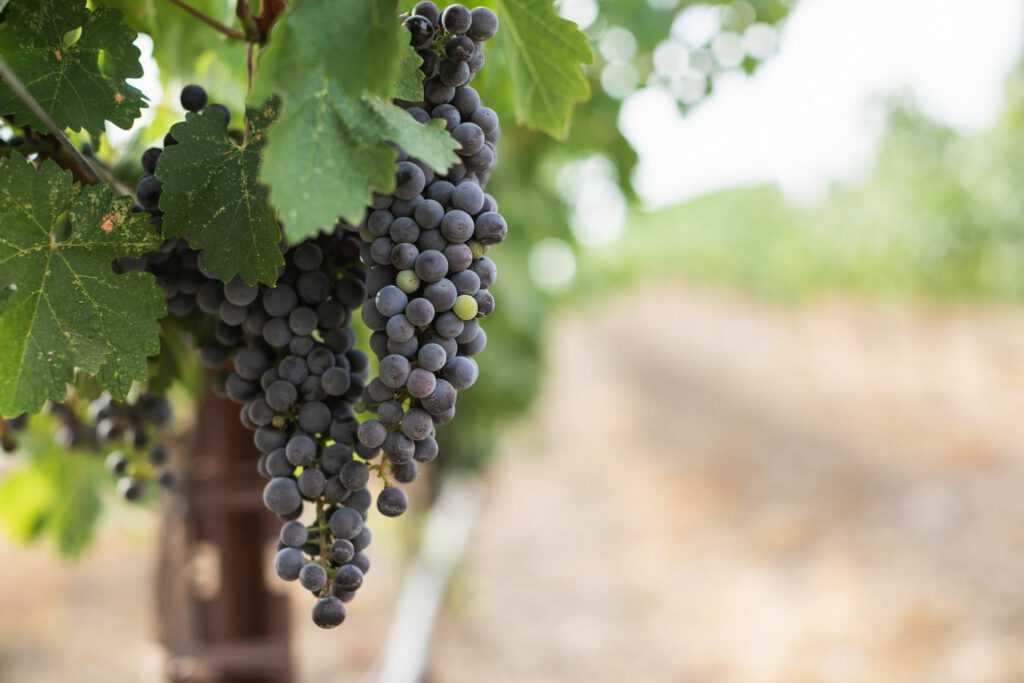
x: 410, y: 78
x: 545, y: 54
x: 80, y: 82
x: 52, y: 492
x: 211, y: 196
x: 430, y: 143
x: 66, y: 308
x: 354, y: 45
x: 328, y: 155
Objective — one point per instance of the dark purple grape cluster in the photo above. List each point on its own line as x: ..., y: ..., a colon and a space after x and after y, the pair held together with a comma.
x: 298, y: 376
x: 429, y: 277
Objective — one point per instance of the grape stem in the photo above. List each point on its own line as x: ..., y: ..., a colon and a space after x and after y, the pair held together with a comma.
x: 88, y: 172
x: 323, y: 538
x: 234, y: 34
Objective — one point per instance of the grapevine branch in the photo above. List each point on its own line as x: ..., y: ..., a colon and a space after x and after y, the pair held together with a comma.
x: 234, y: 34
x: 88, y: 171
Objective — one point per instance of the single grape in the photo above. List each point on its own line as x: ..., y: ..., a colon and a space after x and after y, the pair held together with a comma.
x: 315, y: 417
x: 421, y: 383
x: 345, y: 522
x: 465, y: 307
x: 312, y: 577
x: 193, y: 98
x: 288, y: 563
x: 483, y: 24
x: 294, y: 534
x: 425, y: 450
x: 457, y: 226
x: 391, y: 300
x: 456, y: 19
x: 431, y: 265
x: 354, y: 475
x: 417, y: 425
x: 342, y: 550
x: 349, y: 577
x: 391, y: 502
x: 407, y: 281
x: 372, y: 433
x: 281, y: 496
x: 394, y: 371
x: 419, y: 312
x: 328, y: 612
x: 462, y: 372
x: 470, y: 137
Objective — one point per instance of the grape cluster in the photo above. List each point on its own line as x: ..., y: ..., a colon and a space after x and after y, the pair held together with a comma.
x: 287, y: 354
x: 299, y: 376
x: 429, y: 278
x: 420, y: 272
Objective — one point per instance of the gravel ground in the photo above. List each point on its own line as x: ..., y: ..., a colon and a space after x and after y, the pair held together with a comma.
x: 713, y: 489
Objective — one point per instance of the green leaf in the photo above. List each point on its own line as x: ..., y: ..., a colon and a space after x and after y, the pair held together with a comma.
x: 545, y: 54
x: 410, y: 78
x: 211, y: 196
x: 53, y: 492
x: 430, y: 143
x: 80, y: 82
x: 66, y: 307
x: 328, y: 155
x: 354, y: 45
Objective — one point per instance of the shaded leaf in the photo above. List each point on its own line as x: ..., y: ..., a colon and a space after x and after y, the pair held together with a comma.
x: 212, y: 198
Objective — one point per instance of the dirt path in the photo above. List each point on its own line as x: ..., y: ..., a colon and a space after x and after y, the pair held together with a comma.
x: 713, y: 490
x: 743, y: 493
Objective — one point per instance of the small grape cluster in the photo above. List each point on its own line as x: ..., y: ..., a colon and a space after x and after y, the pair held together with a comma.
x: 429, y: 277
x: 129, y: 427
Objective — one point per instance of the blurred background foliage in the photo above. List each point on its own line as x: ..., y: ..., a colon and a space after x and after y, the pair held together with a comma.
x: 937, y: 216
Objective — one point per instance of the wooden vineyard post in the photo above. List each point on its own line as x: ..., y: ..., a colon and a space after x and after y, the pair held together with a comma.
x: 217, y: 618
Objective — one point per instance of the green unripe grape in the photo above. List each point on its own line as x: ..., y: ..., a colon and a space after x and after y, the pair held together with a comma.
x: 477, y: 249
x: 407, y: 281
x: 365, y: 234
x: 465, y: 307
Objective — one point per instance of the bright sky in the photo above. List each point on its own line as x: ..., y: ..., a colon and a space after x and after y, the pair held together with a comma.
x: 810, y: 115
